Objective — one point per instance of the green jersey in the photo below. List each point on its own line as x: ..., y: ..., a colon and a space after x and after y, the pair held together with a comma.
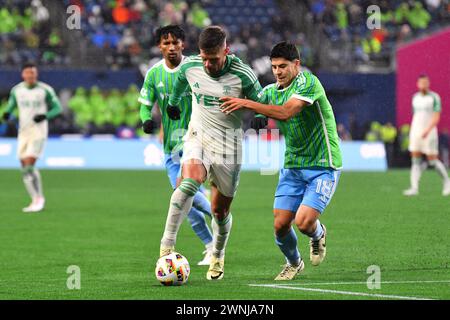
x: 311, y: 135
x: 158, y: 85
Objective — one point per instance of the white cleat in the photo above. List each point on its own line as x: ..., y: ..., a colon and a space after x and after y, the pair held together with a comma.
x: 290, y: 271
x: 164, y: 251
x: 446, y: 190
x: 318, y: 249
x: 411, y: 192
x: 37, y: 205
x: 216, y: 269
x: 206, y: 259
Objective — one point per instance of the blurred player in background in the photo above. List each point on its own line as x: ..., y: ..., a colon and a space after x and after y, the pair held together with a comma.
x: 37, y: 102
x: 158, y: 85
x: 423, y: 136
x: 312, y: 159
x: 212, y: 146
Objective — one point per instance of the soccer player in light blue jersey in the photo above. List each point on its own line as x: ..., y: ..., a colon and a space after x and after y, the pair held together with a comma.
x: 158, y: 85
x: 312, y: 159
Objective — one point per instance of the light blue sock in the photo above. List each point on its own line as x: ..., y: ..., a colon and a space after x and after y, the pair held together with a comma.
x: 202, y: 204
x: 316, y: 235
x: 288, y: 245
x: 198, y: 224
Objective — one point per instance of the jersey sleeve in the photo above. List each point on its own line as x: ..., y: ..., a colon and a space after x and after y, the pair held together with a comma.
x: 307, y: 88
x: 52, y: 102
x: 12, y: 102
x: 147, y: 95
x: 437, y: 103
x: 181, y: 85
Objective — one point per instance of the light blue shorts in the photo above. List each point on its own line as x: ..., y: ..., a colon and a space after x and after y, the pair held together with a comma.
x: 311, y: 187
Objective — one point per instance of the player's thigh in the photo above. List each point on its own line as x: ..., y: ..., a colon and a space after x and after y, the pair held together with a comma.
x: 431, y: 145
x: 320, y: 188
x: 225, y: 178
x: 290, y: 190
x: 30, y: 147
x: 220, y: 203
x: 416, y: 145
x: 194, y: 165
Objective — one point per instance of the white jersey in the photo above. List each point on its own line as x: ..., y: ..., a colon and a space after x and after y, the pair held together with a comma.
x: 424, y: 105
x: 219, y: 133
x: 32, y: 101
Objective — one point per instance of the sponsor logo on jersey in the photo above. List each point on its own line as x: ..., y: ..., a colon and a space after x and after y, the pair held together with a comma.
x: 160, y: 85
x: 196, y: 85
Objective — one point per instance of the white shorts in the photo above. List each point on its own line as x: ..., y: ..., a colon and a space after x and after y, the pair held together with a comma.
x: 223, y: 171
x: 427, y: 146
x: 30, y: 146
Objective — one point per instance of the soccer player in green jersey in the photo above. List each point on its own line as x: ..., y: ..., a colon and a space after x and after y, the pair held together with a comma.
x: 312, y: 159
x: 37, y: 102
x: 212, y: 147
x: 158, y: 85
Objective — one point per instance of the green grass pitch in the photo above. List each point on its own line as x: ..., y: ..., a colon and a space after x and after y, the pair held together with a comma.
x: 109, y: 223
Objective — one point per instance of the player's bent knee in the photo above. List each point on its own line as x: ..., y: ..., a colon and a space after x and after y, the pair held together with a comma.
x: 305, y: 224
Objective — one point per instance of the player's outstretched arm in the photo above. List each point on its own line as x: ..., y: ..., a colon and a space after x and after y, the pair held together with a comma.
x: 284, y: 112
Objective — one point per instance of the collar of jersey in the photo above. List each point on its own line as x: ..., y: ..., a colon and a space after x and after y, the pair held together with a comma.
x: 30, y: 87
x: 167, y: 69
x: 284, y: 89
x: 225, y: 68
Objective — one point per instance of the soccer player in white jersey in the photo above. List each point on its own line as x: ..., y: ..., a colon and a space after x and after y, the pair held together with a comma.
x: 37, y: 102
x: 423, y: 137
x: 212, y: 147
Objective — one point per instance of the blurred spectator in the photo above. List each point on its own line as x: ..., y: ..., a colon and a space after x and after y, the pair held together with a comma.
x: 343, y: 133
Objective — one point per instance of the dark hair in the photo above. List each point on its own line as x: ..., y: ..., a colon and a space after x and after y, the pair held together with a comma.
x: 212, y: 38
x: 423, y: 75
x: 174, y: 30
x: 29, y: 65
x: 285, y: 50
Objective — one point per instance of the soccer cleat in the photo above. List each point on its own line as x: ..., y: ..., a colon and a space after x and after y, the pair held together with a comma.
x: 290, y: 271
x: 206, y: 259
x: 411, y: 192
x: 36, y: 206
x: 446, y: 190
x: 215, y: 271
x: 317, y: 249
x: 164, y: 251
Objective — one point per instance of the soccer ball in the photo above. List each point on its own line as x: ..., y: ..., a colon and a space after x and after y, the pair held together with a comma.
x: 172, y: 269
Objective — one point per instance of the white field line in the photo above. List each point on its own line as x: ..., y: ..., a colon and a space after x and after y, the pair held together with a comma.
x: 351, y: 293
x: 364, y: 282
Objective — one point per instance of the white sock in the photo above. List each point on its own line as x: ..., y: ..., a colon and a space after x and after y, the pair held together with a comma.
x: 416, y: 172
x: 440, y: 168
x: 28, y: 178
x: 180, y: 205
x: 221, y: 233
x: 37, y: 181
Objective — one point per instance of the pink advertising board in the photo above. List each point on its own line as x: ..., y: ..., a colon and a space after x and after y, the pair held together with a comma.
x: 430, y: 56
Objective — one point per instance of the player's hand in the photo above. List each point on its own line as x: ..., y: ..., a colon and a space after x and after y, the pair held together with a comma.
x: 6, y: 116
x: 425, y: 134
x: 259, y: 123
x: 173, y: 112
x: 231, y: 104
x: 39, y: 118
x: 147, y: 126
